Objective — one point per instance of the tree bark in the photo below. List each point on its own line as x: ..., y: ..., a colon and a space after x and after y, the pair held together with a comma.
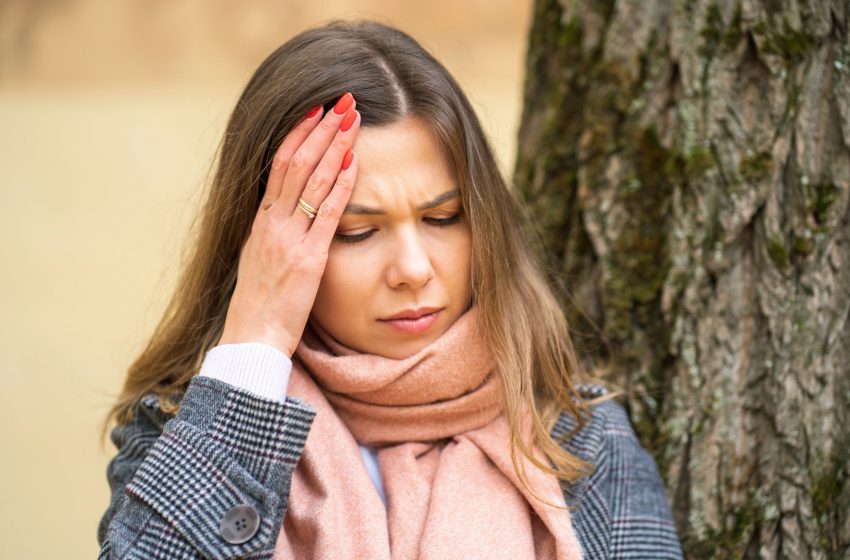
x: 688, y: 163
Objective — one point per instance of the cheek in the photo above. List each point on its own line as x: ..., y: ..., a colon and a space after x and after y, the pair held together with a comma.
x: 343, y: 281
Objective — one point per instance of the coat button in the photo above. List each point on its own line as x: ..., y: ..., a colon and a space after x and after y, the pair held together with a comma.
x: 239, y: 524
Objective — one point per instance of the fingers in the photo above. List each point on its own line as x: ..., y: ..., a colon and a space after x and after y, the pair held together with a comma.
x: 284, y: 154
x: 326, y: 222
x: 320, y: 182
x: 309, y: 169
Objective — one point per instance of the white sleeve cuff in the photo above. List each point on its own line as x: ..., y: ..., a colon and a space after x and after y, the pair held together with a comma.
x: 260, y: 368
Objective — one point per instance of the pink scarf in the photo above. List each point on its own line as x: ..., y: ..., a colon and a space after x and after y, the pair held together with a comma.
x: 444, y: 457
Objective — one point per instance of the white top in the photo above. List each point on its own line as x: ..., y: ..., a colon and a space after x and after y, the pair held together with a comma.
x: 264, y: 370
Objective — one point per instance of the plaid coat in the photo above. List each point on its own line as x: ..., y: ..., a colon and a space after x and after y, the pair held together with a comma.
x: 174, y: 480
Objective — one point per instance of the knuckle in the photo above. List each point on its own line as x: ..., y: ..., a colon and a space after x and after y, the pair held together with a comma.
x: 344, y: 184
x: 328, y: 125
x: 259, y: 223
x: 299, y: 161
x: 315, y: 182
x: 271, y: 230
x: 327, y: 209
x: 279, y: 160
x: 304, y: 262
x: 339, y: 144
x: 266, y: 203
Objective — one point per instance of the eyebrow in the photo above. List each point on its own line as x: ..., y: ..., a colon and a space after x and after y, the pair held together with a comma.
x: 369, y: 211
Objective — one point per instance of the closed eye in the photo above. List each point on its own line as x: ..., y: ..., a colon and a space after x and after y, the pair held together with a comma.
x: 438, y: 222
x: 453, y: 219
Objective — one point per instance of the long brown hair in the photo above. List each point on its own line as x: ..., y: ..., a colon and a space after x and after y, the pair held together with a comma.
x: 392, y: 77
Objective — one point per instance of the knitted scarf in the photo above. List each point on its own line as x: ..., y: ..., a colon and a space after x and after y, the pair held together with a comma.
x: 443, y: 452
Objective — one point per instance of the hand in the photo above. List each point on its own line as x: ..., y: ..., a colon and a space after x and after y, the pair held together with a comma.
x: 284, y: 257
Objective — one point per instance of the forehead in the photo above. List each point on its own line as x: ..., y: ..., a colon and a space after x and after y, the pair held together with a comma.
x: 400, y: 164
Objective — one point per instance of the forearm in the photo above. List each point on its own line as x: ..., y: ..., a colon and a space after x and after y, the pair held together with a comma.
x: 236, y: 440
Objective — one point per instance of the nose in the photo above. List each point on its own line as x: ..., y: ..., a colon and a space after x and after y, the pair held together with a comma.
x: 410, y: 263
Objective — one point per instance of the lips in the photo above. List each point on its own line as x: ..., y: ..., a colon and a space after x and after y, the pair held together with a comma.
x: 422, y: 324
x: 412, y: 313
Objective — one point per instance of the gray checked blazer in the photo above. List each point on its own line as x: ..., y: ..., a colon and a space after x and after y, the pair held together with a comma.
x: 181, y: 486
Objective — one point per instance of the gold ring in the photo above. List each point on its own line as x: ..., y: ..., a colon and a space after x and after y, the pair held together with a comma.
x: 309, y: 210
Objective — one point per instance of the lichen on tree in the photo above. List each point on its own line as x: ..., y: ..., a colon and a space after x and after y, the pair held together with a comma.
x: 688, y: 163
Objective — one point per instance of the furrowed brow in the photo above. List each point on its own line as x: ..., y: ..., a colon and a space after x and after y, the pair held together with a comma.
x: 369, y: 211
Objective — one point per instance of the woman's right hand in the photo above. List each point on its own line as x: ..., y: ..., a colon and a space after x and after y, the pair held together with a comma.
x: 284, y: 257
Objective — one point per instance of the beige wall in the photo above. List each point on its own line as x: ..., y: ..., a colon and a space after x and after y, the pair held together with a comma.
x: 109, y: 112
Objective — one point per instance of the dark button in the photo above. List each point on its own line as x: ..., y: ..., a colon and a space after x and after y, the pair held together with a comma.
x: 239, y: 524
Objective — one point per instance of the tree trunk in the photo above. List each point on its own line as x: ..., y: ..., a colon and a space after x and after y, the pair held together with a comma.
x: 689, y: 165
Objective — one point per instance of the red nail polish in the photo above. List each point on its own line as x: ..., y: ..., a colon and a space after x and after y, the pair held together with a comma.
x: 344, y: 103
x: 313, y: 111
x: 346, y: 159
x: 348, y: 120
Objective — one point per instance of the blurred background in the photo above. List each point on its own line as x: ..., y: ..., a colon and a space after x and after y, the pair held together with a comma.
x: 109, y: 116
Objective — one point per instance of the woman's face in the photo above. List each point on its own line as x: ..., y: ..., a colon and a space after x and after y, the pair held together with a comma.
x: 408, y: 246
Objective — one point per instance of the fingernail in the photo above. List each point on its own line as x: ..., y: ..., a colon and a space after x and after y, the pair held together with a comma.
x: 348, y: 120
x: 346, y: 159
x: 344, y: 103
x: 313, y: 111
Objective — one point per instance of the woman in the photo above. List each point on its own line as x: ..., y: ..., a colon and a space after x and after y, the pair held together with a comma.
x: 362, y: 359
